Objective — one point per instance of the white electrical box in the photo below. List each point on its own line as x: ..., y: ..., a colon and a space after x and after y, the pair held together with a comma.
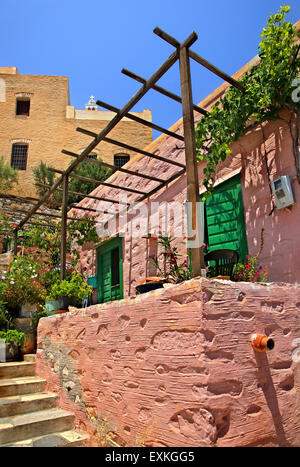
x: 283, y: 192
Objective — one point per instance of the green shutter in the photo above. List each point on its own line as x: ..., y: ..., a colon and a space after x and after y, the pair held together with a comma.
x: 110, y: 271
x: 225, y: 218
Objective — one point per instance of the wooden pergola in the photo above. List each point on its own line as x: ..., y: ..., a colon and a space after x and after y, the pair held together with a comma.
x: 183, y: 54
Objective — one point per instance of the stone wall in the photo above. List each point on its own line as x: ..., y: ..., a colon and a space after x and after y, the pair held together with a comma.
x: 175, y: 367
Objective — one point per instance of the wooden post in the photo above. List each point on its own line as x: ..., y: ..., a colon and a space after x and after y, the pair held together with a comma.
x: 15, y: 242
x: 63, y: 248
x: 190, y: 157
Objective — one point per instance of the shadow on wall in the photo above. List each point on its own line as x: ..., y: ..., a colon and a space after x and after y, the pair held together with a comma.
x: 262, y: 163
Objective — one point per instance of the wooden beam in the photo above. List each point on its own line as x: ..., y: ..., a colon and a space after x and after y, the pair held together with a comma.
x: 92, y: 180
x: 166, y: 37
x: 15, y: 242
x: 187, y: 43
x: 114, y: 168
x: 132, y: 148
x: 54, y: 216
x: 163, y: 91
x: 76, y: 193
x: 18, y: 199
x: 216, y: 71
x: 190, y: 157
x: 74, y: 206
x: 140, y: 120
x: 64, y: 220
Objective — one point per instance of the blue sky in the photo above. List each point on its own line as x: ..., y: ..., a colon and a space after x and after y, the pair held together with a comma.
x: 91, y: 41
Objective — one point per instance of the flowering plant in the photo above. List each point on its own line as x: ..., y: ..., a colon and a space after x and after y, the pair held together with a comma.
x: 171, y: 268
x: 250, y: 271
x: 22, y: 284
x: 46, y: 238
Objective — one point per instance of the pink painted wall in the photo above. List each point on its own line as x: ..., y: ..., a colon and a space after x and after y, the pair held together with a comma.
x: 175, y: 367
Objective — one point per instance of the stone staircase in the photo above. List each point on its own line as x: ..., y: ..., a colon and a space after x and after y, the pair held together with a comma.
x: 29, y: 416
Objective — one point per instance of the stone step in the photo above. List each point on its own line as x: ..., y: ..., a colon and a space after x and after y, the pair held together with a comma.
x: 34, y: 424
x: 19, y: 386
x: 17, y: 405
x: 53, y: 440
x: 14, y: 369
x: 30, y: 357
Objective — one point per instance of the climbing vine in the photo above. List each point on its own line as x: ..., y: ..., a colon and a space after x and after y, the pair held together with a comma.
x: 269, y: 88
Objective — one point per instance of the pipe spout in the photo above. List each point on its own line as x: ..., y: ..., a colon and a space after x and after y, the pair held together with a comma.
x: 261, y: 343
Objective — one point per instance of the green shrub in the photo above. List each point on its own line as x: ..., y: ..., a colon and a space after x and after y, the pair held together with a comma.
x: 13, y: 337
x: 74, y: 287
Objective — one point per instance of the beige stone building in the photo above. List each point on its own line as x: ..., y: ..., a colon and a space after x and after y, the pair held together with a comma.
x: 37, y: 122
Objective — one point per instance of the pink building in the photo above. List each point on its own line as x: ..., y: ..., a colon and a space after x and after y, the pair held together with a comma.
x: 242, y: 205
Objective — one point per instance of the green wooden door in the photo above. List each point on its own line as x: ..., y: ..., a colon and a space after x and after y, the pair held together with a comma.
x: 225, y: 219
x: 110, y: 271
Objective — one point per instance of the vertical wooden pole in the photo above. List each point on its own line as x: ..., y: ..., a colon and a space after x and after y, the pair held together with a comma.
x: 190, y: 157
x: 63, y: 248
x: 15, y: 242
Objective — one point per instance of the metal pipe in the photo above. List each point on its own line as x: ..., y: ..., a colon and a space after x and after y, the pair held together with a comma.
x: 261, y: 343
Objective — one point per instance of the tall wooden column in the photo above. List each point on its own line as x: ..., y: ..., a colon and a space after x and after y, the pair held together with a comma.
x: 15, y: 242
x: 193, y: 196
x: 63, y: 248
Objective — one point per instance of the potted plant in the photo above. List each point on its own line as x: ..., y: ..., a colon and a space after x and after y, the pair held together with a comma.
x: 168, y: 264
x: 23, y: 294
x: 70, y: 291
x: 11, y: 343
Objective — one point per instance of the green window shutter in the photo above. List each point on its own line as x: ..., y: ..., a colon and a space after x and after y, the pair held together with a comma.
x: 110, y: 271
x: 225, y: 218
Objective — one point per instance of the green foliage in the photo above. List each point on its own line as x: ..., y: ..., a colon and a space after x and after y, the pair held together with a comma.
x: 46, y: 237
x: 169, y: 266
x: 74, y: 287
x: 87, y: 169
x: 6, y: 229
x: 8, y: 175
x: 43, y: 175
x: 22, y: 284
x: 13, y: 337
x: 268, y: 87
x: 250, y: 271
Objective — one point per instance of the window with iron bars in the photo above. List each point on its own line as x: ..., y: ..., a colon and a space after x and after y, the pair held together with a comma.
x: 23, y: 107
x: 120, y: 160
x: 19, y: 156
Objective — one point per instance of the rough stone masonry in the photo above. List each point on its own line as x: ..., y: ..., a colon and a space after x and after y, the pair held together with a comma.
x: 175, y: 367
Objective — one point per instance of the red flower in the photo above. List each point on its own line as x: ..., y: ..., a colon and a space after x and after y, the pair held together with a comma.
x: 204, y: 245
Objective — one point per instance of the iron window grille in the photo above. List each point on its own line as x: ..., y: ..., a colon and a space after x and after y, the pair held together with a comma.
x: 19, y: 156
x: 121, y: 160
x: 23, y: 107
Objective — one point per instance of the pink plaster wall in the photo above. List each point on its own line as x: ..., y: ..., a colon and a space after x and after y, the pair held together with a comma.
x: 175, y: 367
